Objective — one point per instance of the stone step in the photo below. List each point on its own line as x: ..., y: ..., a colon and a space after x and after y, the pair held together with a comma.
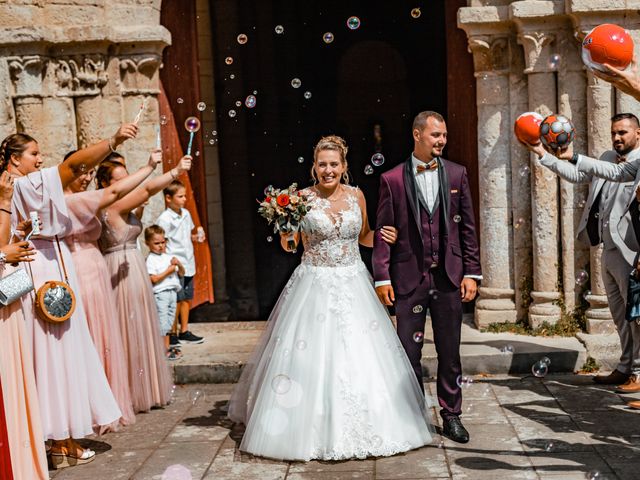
x: 228, y: 346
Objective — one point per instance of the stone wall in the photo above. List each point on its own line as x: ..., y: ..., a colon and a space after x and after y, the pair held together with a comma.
x: 71, y: 71
x: 527, y: 58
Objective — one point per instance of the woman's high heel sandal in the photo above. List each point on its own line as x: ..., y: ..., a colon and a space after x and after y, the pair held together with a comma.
x: 63, y: 460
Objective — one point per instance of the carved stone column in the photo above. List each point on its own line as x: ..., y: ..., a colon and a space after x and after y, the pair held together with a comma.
x: 537, y: 45
x: 491, y: 55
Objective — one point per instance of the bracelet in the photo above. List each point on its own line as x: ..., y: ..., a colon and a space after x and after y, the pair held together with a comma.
x: 113, y: 150
x: 5, y: 211
x: 574, y: 159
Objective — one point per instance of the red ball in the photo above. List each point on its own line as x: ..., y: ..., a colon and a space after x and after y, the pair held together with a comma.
x: 527, y: 127
x: 607, y: 43
x: 556, y: 131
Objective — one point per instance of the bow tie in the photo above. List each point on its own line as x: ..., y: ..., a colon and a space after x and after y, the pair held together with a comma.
x: 423, y: 167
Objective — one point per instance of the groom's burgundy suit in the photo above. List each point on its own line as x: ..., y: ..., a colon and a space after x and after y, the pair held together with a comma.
x: 435, y: 249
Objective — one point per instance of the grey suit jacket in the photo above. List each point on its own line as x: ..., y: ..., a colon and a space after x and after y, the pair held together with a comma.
x: 591, y: 171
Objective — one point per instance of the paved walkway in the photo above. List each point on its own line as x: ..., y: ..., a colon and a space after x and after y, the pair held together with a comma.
x: 561, y: 427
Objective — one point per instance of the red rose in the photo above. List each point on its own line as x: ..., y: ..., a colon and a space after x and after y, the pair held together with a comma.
x: 268, y: 199
x: 283, y: 199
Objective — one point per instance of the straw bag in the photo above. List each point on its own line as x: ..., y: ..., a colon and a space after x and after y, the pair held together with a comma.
x: 55, y: 300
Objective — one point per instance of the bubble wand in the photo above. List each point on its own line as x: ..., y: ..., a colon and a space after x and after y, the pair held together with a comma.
x: 192, y: 125
x: 139, y: 115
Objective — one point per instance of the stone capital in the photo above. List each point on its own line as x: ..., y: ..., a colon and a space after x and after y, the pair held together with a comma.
x: 27, y: 73
x: 490, y: 53
x: 537, y: 50
x: 139, y: 74
x: 77, y: 75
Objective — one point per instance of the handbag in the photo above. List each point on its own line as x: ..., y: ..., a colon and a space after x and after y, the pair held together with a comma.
x: 55, y: 300
x: 14, y: 286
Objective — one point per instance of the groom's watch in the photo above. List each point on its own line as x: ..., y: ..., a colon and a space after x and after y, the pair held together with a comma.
x: 574, y: 159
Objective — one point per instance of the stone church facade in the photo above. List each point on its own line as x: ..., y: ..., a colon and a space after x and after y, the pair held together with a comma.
x: 71, y: 71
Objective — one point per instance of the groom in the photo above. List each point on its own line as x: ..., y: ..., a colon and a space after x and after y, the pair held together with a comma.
x: 435, y: 262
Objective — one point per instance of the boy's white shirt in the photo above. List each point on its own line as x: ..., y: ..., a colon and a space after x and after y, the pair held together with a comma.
x: 158, y: 263
x: 177, y: 230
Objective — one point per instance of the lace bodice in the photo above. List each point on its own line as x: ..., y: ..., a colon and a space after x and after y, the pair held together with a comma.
x: 330, y: 230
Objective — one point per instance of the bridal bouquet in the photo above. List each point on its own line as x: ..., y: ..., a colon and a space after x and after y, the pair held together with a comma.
x: 285, y: 208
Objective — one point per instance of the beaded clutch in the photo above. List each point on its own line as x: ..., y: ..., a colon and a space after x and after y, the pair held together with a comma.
x: 14, y: 286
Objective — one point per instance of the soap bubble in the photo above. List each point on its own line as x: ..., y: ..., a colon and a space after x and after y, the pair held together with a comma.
x: 376, y: 441
x: 418, y: 337
x: 180, y: 100
x: 463, y: 381
x: 201, y: 106
x: 594, y: 475
x: 238, y: 103
x: 296, y: 82
x: 377, y: 159
x: 250, y: 101
x: 368, y: 170
x: 506, y: 349
x: 163, y: 119
x: 417, y: 309
x: 195, y: 396
x: 281, y: 384
x: 518, y: 223
x: 539, y: 369
x: 232, y: 76
x: 582, y: 277
x: 300, y: 159
x: 301, y: 345
x: 548, y: 446
x: 554, y: 61
x: 524, y: 170
x: 269, y: 239
x: 192, y: 124
x: 228, y: 60
x: 457, y: 218
x: 307, y: 95
x: 177, y: 472
x: 279, y: 29
x: 242, y: 39
x: 327, y: 37
x: 415, y: 13
x: 232, y: 113
x: 374, y: 326
x: 353, y: 23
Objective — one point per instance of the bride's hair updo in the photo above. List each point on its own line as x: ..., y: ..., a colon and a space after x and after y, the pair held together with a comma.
x: 14, y: 144
x: 335, y: 143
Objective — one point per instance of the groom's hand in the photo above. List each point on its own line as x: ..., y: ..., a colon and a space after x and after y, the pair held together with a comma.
x: 385, y: 294
x: 468, y: 289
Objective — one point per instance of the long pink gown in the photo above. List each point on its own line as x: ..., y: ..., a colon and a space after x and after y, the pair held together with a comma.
x: 74, y: 394
x: 98, y: 296
x: 149, y: 376
x: 19, y: 395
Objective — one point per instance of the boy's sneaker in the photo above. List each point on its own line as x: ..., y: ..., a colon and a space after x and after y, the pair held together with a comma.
x: 188, y: 337
x: 173, y: 340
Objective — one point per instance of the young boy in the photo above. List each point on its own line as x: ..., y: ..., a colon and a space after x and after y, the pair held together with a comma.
x: 164, y: 272
x: 178, y: 226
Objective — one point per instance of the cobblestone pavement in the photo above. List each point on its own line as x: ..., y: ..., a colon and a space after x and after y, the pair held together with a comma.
x: 561, y: 427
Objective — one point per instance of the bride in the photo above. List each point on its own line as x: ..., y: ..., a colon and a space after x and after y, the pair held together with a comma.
x: 329, y: 379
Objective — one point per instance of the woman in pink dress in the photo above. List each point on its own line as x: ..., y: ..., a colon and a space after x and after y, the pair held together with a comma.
x: 97, y: 294
x: 149, y: 376
x: 19, y: 399
x: 72, y: 388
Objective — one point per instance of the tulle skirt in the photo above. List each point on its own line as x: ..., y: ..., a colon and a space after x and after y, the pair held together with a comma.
x: 330, y: 379
x: 149, y: 376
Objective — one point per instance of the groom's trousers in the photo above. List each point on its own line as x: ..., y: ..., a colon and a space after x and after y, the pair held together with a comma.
x: 441, y: 299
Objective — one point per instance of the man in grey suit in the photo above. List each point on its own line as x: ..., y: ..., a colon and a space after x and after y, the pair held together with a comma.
x: 606, y: 219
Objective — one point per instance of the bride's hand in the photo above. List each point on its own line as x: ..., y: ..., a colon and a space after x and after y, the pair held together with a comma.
x: 389, y: 234
x: 289, y: 242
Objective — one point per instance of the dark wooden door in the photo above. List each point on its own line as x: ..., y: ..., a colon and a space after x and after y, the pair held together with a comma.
x: 366, y: 85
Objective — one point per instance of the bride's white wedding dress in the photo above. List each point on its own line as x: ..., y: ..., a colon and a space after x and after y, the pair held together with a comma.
x: 329, y: 379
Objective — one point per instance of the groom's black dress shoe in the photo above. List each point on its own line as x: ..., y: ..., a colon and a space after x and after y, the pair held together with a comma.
x: 454, y: 430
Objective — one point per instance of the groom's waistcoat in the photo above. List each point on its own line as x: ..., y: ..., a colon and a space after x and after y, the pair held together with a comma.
x: 430, y: 237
